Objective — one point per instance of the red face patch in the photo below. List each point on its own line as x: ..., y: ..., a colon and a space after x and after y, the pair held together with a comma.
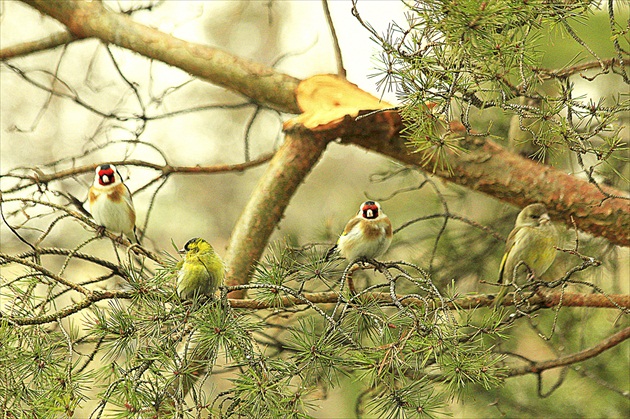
x: 106, y: 176
x: 370, y: 211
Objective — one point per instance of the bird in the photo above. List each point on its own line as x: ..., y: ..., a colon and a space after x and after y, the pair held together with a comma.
x: 200, y: 272
x: 111, y: 205
x: 532, y: 242
x: 366, y: 236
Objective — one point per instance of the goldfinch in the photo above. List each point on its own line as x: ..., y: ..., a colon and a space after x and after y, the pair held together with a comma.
x: 532, y: 241
x: 366, y: 236
x: 110, y: 202
x: 201, y: 272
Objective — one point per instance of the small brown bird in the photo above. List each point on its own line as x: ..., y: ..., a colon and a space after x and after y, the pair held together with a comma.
x: 367, y: 235
x: 532, y: 241
x: 110, y: 202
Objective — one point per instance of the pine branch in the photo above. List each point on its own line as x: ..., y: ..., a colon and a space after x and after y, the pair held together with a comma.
x: 469, y: 302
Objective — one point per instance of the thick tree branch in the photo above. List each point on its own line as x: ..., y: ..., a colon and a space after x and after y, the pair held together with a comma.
x: 286, y: 171
x: 91, y: 19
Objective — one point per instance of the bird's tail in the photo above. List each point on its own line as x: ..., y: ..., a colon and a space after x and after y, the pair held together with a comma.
x: 330, y: 253
x: 498, y: 300
x: 134, y: 238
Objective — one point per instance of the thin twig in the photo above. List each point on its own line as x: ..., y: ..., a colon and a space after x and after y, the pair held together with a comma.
x: 341, y: 71
x: 536, y: 367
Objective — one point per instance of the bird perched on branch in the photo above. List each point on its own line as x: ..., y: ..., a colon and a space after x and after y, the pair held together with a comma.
x: 201, y: 272
x: 532, y: 242
x: 366, y: 236
x: 110, y: 202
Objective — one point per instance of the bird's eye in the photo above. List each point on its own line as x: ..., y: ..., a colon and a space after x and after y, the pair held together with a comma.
x: 189, y: 244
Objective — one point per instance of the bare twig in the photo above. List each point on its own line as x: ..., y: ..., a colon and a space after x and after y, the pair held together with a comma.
x: 536, y: 367
x: 39, y: 178
x: 341, y: 71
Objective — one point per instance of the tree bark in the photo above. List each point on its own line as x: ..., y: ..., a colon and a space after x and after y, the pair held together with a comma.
x: 265, y: 208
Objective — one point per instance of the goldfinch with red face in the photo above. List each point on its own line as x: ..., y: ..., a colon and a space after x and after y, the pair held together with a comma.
x: 110, y: 202
x: 532, y: 242
x: 366, y: 236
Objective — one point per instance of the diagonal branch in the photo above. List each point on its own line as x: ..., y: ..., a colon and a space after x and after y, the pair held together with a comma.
x: 536, y: 367
x: 286, y: 171
x: 341, y: 71
x: 90, y: 298
x: 26, y: 48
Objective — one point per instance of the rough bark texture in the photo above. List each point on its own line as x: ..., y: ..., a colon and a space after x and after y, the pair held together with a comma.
x: 265, y: 208
x: 489, y: 168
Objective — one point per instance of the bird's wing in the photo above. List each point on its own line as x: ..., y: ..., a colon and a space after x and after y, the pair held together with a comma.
x: 127, y: 198
x: 388, y: 227
x: 509, y: 244
x: 351, y: 224
x: 211, y: 274
x: 330, y: 253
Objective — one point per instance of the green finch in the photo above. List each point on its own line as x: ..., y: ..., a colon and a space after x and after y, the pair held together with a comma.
x: 367, y: 235
x: 201, y: 272
x: 532, y: 242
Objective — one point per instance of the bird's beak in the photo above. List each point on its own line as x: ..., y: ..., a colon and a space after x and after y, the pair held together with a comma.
x: 181, y: 251
x: 544, y: 219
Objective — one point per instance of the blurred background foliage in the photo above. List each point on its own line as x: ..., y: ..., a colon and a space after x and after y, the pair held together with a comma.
x: 52, y: 133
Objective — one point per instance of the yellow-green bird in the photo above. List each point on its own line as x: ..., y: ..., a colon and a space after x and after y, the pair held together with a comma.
x: 532, y: 241
x: 201, y: 272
